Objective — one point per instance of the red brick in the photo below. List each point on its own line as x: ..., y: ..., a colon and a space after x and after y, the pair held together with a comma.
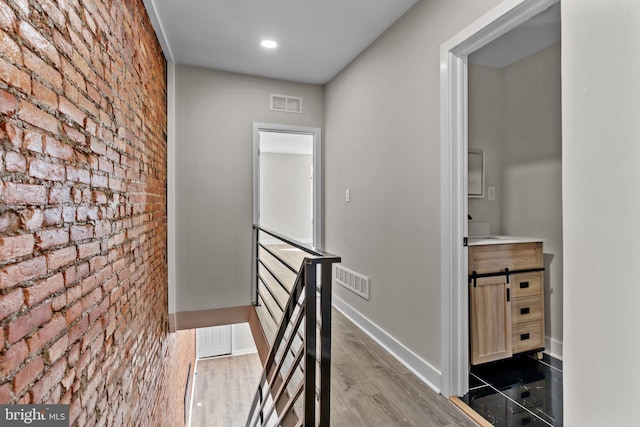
x: 46, y: 333
x: 10, y: 48
x: 52, y: 216
x: 61, y: 257
x: 68, y: 214
x: 45, y: 95
x: 15, y: 77
x: 10, y: 303
x: 27, y: 374
x: 13, y: 358
x: 15, y: 274
x: 13, y: 133
x: 46, y: 72
x: 81, y: 232
x: 58, y: 196
x: 46, y: 170
x: 52, y: 10
x: 53, y: 237
x: 28, y: 322
x: 57, y: 350
x: 33, y: 141
x: 8, y: 19
x: 100, y: 181
x: 48, y: 381
x: 32, y: 219
x: 23, y: 194
x: 39, y: 42
x: 60, y: 150
x: 33, y: 115
x: 9, y: 223
x: 16, y: 246
x: 5, y: 389
x: 80, y: 328
x: 8, y: 103
x: 15, y: 162
x: 68, y: 108
x: 24, y: 6
x: 74, y: 134
x: 43, y: 289
x: 88, y: 249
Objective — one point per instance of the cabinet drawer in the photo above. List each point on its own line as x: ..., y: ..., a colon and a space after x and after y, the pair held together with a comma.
x: 527, y: 336
x: 525, y: 285
x: 514, y: 256
x: 526, y: 310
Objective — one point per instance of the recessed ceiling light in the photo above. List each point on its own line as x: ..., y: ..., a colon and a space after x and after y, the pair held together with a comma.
x: 269, y: 44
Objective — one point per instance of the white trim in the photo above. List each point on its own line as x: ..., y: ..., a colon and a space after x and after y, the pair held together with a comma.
x: 417, y: 365
x: 171, y: 190
x: 453, y: 127
x: 318, y: 196
x: 553, y: 347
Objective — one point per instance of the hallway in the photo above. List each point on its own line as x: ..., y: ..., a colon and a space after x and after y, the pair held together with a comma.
x: 369, y: 388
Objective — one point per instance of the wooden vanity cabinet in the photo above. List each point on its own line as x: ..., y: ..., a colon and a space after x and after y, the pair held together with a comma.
x: 506, y: 312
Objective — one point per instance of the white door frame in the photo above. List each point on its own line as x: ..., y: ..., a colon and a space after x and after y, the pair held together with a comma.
x: 453, y: 161
x: 318, y: 219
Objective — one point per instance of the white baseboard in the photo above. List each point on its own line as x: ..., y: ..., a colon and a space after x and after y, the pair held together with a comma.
x: 553, y: 347
x: 418, y: 366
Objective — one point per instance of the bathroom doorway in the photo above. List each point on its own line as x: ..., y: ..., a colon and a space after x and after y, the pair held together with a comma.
x: 454, y: 106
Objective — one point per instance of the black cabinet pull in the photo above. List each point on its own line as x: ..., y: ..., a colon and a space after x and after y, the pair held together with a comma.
x: 524, y: 285
x: 524, y: 336
x: 524, y: 310
x: 508, y: 294
x: 526, y: 421
x: 525, y: 394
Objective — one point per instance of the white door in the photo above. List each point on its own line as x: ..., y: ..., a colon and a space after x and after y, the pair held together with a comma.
x: 213, y: 341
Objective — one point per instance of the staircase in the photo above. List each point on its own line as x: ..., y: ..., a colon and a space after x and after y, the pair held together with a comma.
x: 293, y: 303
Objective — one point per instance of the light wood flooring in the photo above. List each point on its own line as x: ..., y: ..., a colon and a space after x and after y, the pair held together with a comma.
x: 369, y: 388
x: 224, y: 389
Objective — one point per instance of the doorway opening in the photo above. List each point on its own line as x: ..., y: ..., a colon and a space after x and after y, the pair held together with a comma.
x: 287, y: 189
x: 455, y: 206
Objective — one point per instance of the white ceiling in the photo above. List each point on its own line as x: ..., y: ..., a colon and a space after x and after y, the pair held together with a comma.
x: 317, y: 39
x: 526, y: 39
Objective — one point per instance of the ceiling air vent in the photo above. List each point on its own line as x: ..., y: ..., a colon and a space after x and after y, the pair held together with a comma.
x: 289, y: 104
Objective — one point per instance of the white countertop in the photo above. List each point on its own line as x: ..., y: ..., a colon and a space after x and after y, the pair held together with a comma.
x: 500, y: 240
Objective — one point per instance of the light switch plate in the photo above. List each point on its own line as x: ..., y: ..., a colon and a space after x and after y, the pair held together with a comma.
x: 347, y: 195
x: 491, y: 193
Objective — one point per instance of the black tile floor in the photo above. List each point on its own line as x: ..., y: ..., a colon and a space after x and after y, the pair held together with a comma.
x: 521, y: 391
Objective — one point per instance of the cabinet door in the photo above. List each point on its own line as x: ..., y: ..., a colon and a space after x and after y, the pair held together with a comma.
x: 490, y: 319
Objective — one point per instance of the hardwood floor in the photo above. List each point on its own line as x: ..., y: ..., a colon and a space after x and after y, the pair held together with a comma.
x: 369, y: 388
x: 224, y: 390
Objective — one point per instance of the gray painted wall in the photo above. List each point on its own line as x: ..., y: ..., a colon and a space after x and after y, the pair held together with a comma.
x: 601, y: 134
x: 215, y: 111
x: 515, y: 116
x: 382, y: 140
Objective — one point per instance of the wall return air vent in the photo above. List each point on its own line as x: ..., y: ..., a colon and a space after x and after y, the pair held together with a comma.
x: 286, y: 103
x: 355, y: 282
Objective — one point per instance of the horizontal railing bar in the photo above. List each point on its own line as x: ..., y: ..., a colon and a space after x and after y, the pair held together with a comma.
x: 268, y: 288
x: 265, y: 305
x: 294, y: 243
x: 283, y: 262
x: 282, y: 285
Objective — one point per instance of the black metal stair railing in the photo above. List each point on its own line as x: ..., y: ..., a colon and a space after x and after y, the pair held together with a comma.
x: 294, y: 388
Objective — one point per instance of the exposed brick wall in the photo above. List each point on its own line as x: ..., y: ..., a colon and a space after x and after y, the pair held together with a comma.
x: 83, y: 273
